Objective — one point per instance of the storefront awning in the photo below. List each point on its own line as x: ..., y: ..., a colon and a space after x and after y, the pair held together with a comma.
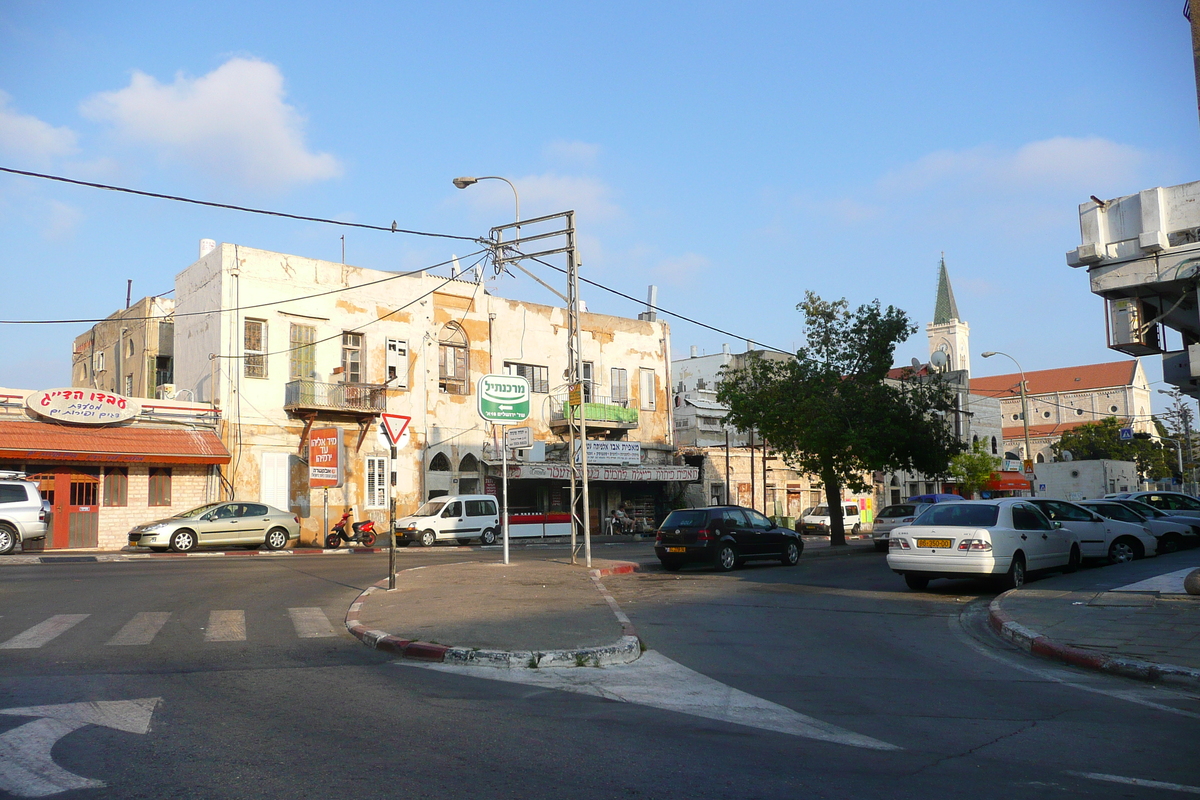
x: 1007, y: 482
x: 600, y: 472
x: 44, y: 441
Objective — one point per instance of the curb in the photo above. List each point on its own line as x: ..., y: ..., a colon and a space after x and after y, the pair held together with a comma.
x: 82, y: 557
x: 1040, y: 645
x: 625, y: 650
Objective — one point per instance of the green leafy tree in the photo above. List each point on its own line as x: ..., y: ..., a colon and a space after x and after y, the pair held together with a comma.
x: 1102, y: 439
x: 830, y: 412
x: 974, y: 468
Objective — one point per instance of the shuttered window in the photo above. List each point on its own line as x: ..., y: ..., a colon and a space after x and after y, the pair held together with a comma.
x: 255, y: 348
x: 376, y: 482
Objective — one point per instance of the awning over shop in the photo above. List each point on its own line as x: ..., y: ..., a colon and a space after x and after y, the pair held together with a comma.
x: 44, y: 441
x: 599, y: 472
x: 1007, y: 482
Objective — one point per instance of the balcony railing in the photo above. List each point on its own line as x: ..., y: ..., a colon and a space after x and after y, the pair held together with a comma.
x: 359, y: 398
x: 599, y: 412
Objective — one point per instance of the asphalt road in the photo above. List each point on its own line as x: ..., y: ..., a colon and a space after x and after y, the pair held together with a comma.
x: 298, y: 708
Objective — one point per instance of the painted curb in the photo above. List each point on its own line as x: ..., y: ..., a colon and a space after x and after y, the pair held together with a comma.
x: 1041, y: 645
x: 623, y: 651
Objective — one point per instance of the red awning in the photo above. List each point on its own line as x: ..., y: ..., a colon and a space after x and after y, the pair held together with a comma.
x: 45, y: 441
x: 1007, y: 482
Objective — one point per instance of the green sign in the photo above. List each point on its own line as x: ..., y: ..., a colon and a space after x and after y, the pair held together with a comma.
x: 504, y: 398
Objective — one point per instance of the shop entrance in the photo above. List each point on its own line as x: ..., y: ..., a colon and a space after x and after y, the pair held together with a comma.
x: 74, y: 498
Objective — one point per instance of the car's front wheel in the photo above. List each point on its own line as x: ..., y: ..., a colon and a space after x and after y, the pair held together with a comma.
x: 183, y: 541
x: 428, y: 538
x: 1122, y: 551
x: 791, y: 554
x: 1169, y: 543
x: 277, y: 539
x: 726, y: 558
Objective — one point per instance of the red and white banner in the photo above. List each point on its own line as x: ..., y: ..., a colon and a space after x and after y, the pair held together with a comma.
x: 600, y: 472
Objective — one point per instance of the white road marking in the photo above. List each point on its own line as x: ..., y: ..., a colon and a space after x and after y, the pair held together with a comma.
x: 26, y: 767
x: 311, y: 623
x: 1174, y: 787
x: 1171, y: 583
x: 226, y: 626
x: 43, y: 632
x: 141, y: 629
x: 656, y: 681
x: 1051, y: 675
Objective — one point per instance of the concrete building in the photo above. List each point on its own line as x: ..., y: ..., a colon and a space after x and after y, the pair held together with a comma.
x: 1065, y: 398
x: 130, y: 353
x: 285, y: 345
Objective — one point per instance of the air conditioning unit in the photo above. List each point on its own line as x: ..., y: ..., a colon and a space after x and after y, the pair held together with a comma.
x: 535, y: 453
x: 1128, y: 331
x: 165, y: 391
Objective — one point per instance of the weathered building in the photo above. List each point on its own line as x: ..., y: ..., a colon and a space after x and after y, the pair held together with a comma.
x: 130, y: 353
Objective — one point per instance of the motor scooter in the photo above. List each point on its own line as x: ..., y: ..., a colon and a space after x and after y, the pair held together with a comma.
x: 363, y: 533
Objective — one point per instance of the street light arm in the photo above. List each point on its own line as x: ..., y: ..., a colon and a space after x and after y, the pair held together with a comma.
x: 1024, y: 408
x: 466, y: 180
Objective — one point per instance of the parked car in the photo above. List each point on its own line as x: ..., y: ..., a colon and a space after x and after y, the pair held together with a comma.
x: 1175, y: 503
x: 1100, y: 536
x: 457, y: 517
x: 894, y: 516
x: 23, y: 512
x: 1008, y: 538
x: 818, y: 522
x: 1177, y: 530
x: 235, y: 522
x: 724, y: 536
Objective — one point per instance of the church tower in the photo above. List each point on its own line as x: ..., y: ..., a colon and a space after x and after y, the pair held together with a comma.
x: 947, y: 332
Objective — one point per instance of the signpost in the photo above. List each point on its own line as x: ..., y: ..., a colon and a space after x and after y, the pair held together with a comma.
x: 324, y: 466
x: 394, y: 427
x: 505, y: 399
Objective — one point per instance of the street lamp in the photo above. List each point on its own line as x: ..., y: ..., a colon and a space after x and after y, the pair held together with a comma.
x: 466, y: 181
x: 1024, y: 410
x: 1185, y: 420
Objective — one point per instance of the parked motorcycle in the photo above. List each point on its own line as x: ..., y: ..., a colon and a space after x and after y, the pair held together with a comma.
x: 363, y: 533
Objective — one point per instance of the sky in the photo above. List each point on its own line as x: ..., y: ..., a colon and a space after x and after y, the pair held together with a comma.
x: 736, y: 155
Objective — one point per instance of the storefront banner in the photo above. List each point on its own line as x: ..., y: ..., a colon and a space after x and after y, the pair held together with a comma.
x: 83, y: 406
x: 613, y: 453
x: 599, y: 472
x: 325, y: 458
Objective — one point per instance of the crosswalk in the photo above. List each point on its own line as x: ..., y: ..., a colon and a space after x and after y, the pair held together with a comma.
x: 223, y: 625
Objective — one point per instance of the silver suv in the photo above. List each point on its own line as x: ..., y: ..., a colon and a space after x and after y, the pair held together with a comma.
x: 22, y: 512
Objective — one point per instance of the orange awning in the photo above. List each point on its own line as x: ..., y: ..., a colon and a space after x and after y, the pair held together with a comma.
x: 45, y: 441
x: 1007, y: 482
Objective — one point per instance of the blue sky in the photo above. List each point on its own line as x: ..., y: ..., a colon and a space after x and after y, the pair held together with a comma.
x: 735, y: 155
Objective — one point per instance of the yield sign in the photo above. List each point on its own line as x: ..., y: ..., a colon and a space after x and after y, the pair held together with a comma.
x: 394, y: 426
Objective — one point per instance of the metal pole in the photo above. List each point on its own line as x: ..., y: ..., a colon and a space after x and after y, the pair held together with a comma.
x: 391, y: 539
x: 504, y: 489
x: 1025, y: 421
x: 753, y: 498
x: 727, y: 467
x: 325, y: 518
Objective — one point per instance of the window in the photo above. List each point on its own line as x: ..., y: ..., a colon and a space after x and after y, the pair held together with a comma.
x: 99, y: 367
x: 453, y: 510
x: 397, y: 363
x: 439, y: 463
x: 301, y: 358
x: 1026, y: 519
x: 83, y: 371
x: 1046, y: 415
x: 481, y: 508
x: 647, y: 389
x: 994, y: 450
x: 453, y: 361
x: 620, y: 386
x: 116, y: 486
x: 538, y: 376
x: 352, y: 357
x: 586, y: 376
x: 254, y: 348
x: 128, y: 386
x: 129, y: 348
x: 160, y: 486
x: 1041, y: 458
x: 377, y: 482
x: 275, y: 480
x: 12, y: 493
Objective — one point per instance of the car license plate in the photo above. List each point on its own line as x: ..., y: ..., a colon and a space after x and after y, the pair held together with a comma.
x: 933, y: 542
x: 676, y: 549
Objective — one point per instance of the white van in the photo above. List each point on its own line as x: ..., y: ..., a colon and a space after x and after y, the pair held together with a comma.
x: 460, y: 517
x: 817, y: 520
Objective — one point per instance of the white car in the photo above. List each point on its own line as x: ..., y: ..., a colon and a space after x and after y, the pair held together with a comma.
x: 895, y: 516
x: 1009, y: 538
x: 1167, y: 531
x: 1117, y: 539
x: 23, y: 512
x: 817, y: 520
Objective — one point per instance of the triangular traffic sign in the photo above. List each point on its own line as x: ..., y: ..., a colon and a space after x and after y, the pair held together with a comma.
x: 394, y: 426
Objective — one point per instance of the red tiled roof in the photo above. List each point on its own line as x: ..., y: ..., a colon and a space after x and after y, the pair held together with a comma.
x: 1012, y: 432
x: 56, y: 442
x: 1063, y: 379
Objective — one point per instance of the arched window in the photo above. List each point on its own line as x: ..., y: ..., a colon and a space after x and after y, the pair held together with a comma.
x: 974, y: 441
x: 1041, y: 459
x: 994, y: 450
x: 469, y: 463
x: 439, y: 463
x: 454, y: 367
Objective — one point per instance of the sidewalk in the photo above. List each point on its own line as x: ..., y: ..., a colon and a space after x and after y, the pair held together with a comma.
x: 1134, y: 620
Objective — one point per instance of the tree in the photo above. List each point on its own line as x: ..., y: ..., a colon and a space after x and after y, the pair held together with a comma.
x: 974, y: 468
x: 1102, y: 439
x: 830, y: 412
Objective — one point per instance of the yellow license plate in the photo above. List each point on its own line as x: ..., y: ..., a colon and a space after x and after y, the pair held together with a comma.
x: 676, y: 549
x: 933, y: 542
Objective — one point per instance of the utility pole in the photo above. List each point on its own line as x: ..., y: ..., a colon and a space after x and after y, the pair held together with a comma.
x: 1194, y: 19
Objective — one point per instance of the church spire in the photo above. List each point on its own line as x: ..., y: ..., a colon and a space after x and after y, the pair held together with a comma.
x: 946, y: 309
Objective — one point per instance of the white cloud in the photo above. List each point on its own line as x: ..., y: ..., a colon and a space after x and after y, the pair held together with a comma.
x: 232, y: 122
x: 25, y: 136
x: 681, y: 270
x: 572, y: 153
x: 60, y: 221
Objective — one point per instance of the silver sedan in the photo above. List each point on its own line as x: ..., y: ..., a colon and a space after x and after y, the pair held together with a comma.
x: 235, y: 522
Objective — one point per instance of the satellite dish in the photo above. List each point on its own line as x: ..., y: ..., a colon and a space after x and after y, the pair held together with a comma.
x: 1067, y: 455
x: 939, y: 359
x: 916, y: 363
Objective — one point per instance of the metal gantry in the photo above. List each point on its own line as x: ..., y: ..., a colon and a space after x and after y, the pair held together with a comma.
x: 556, y: 235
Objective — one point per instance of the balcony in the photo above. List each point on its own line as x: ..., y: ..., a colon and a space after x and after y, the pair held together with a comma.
x: 307, y: 395
x: 599, y: 413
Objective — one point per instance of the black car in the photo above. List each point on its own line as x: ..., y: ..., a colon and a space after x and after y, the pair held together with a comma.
x: 724, y: 536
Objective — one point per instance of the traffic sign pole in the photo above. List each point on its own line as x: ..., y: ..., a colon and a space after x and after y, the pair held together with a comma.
x: 504, y: 486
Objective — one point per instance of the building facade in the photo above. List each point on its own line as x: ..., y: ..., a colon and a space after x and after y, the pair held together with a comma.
x: 130, y: 353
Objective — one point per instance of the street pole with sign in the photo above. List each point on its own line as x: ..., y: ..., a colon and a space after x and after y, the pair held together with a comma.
x: 393, y: 427
x: 504, y: 399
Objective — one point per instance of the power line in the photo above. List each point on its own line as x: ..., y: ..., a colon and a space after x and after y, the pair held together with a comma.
x: 386, y: 229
